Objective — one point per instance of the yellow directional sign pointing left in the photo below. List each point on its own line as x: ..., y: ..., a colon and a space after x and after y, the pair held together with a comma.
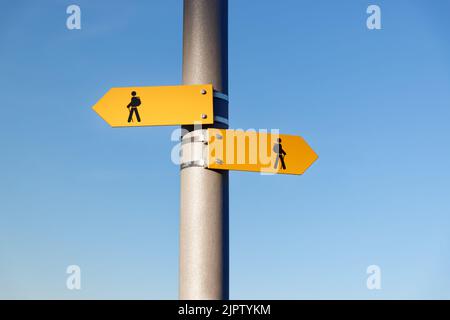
x: 157, y: 106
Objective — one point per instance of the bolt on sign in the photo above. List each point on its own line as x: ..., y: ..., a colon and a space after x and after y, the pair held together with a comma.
x: 258, y: 151
x: 157, y: 106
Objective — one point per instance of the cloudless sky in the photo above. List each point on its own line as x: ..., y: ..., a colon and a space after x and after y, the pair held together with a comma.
x: 375, y: 105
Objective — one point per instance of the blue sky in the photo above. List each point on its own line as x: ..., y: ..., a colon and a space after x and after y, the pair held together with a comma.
x: 375, y: 105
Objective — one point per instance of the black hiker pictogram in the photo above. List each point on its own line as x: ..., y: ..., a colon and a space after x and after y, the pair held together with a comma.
x: 133, y: 107
x: 280, y: 154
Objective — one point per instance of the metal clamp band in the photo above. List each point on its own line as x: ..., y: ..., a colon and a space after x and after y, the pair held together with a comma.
x: 199, y: 138
x: 196, y: 163
x: 220, y: 95
x: 220, y: 119
x: 192, y: 153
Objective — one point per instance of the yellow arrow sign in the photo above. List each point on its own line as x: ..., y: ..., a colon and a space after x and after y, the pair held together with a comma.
x: 258, y: 151
x: 157, y: 106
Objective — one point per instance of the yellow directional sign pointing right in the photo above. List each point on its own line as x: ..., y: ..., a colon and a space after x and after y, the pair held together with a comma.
x: 258, y: 151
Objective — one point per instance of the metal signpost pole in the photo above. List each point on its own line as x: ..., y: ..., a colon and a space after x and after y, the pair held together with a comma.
x: 204, y: 250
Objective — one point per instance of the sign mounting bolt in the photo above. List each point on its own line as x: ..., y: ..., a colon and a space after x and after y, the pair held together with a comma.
x: 203, y: 91
x: 204, y: 116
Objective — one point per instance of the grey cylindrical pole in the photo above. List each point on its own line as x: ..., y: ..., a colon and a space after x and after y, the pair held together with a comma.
x: 204, y: 272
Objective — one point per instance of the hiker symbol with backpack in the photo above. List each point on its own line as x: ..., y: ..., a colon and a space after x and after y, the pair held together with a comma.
x: 133, y: 107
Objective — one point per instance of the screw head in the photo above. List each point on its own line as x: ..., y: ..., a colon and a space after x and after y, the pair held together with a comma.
x: 218, y: 161
x: 218, y: 136
x: 203, y: 91
x: 204, y: 116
